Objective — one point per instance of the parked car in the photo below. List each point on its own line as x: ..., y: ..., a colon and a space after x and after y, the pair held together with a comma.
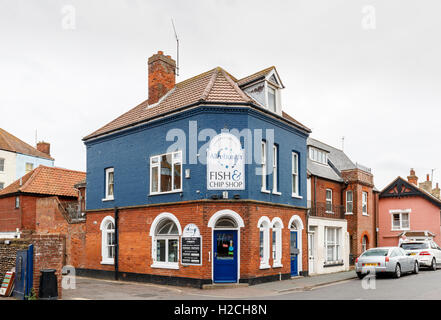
x: 427, y: 252
x: 386, y: 260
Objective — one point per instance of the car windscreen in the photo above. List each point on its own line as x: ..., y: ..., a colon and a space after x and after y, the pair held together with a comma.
x: 375, y: 253
x: 414, y: 246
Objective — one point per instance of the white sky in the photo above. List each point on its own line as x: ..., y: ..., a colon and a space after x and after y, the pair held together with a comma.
x: 379, y: 88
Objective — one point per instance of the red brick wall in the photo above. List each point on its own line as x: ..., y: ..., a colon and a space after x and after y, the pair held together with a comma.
x: 49, y: 219
x: 49, y: 252
x: 135, y: 243
x: 9, y: 216
x: 320, y: 193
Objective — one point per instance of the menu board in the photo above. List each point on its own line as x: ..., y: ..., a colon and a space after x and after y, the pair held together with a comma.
x: 8, y: 283
x: 191, y: 250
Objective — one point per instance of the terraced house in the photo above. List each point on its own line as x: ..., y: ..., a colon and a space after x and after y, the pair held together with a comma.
x: 204, y: 182
x: 343, y: 209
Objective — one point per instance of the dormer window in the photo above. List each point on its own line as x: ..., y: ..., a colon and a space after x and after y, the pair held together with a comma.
x: 271, y: 99
x: 318, y: 155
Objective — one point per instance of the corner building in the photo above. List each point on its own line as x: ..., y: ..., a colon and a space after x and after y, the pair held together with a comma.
x: 175, y: 193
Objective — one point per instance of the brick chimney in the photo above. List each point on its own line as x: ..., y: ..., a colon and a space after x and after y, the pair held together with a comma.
x: 161, y: 76
x: 412, y: 178
x: 44, y: 147
x: 427, y: 185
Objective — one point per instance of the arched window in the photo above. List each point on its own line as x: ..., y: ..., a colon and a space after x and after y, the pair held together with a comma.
x: 108, y: 240
x: 225, y: 223
x: 364, y: 244
x: 166, y: 244
x: 264, y: 228
x: 277, y: 226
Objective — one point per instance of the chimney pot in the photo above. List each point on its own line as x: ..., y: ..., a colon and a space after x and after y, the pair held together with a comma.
x: 161, y: 76
x: 44, y: 147
x: 428, y: 177
x: 412, y: 178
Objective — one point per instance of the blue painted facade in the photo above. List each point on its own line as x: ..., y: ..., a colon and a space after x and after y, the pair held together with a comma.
x: 22, y: 159
x: 129, y: 152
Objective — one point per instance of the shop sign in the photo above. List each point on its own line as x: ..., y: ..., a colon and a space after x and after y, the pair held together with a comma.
x: 225, y: 163
x: 191, y: 245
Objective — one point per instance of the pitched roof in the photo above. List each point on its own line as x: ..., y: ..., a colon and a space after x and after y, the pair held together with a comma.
x: 214, y: 86
x: 47, y: 181
x: 400, y: 187
x: 11, y: 143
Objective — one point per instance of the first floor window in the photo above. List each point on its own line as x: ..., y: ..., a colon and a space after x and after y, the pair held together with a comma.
x: 295, y: 174
x: 332, y: 243
x: 166, y: 243
x: 263, y: 162
x: 328, y: 200
x: 400, y: 221
x: 17, y: 202
x: 166, y: 172
x: 109, y: 183
x: 29, y: 167
x: 349, y: 201
x: 364, y: 203
x: 108, y: 240
x: 275, y: 169
x: 2, y: 164
x: 2, y: 185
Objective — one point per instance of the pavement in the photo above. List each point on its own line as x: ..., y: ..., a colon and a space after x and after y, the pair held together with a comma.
x: 98, y: 289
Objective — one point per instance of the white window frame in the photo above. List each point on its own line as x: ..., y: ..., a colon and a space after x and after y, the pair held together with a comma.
x: 335, y: 244
x: 153, y: 233
x: 107, y: 196
x: 318, y: 156
x: 364, y: 201
x: 326, y: 195
x: 295, y: 175
x: 268, y: 88
x: 264, y: 227
x: 2, y: 185
x: 276, y: 242
x: 400, y: 212
x: 17, y: 202
x: 275, y: 169
x: 264, y: 167
x: 178, y: 160
x: 29, y: 164
x: 349, y: 202
x: 104, y: 240
x: 2, y: 168
x: 364, y: 243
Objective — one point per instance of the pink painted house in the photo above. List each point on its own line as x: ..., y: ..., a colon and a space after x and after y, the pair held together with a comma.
x: 406, y: 209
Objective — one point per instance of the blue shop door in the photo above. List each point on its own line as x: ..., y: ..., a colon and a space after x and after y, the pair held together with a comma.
x: 225, y: 256
x: 294, y: 251
x: 23, y: 273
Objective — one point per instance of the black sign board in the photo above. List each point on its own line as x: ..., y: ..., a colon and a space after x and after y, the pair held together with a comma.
x: 191, y: 250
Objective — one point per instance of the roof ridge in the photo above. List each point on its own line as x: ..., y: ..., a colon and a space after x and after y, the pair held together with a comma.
x: 327, y: 145
x: 183, y: 82
x: 32, y: 177
x: 7, y: 136
x: 210, y: 84
x: 250, y: 75
x: 235, y: 86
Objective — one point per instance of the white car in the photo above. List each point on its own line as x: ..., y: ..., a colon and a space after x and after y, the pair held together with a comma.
x: 427, y: 252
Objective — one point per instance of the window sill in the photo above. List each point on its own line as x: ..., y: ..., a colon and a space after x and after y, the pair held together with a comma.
x: 333, y: 264
x: 167, y: 192
x: 408, y: 229
x: 365, y: 214
x: 330, y: 212
x: 265, y: 191
x: 277, y: 265
x: 277, y: 193
x: 348, y: 213
x: 160, y: 265
x: 108, y: 199
x: 297, y: 196
x: 110, y: 262
x: 264, y: 266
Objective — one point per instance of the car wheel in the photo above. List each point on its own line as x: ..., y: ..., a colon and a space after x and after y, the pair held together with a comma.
x: 360, y: 275
x: 416, y: 268
x: 397, y: 273
x: 433, y: 266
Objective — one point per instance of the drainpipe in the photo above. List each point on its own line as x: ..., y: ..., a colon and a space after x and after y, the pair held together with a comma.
x: 116, y: 211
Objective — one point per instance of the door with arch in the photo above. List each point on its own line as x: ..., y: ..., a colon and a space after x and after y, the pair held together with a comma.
x: 225, y: 251
x: 294, y: 252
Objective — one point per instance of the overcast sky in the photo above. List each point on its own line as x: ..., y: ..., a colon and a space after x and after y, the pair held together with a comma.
x: 366, y: 70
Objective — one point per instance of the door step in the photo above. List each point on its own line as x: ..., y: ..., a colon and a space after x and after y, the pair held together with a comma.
x: 224, y: 285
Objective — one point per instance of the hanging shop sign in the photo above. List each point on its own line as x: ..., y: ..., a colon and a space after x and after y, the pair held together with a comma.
x: 191, y: 245
x: 225, y: 163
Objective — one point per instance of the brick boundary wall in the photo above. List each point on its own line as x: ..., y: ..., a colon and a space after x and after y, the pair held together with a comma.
x: 8, y: 254
x: 49, y: 253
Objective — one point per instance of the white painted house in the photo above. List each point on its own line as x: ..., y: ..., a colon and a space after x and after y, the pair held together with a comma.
x: 18, y: 158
